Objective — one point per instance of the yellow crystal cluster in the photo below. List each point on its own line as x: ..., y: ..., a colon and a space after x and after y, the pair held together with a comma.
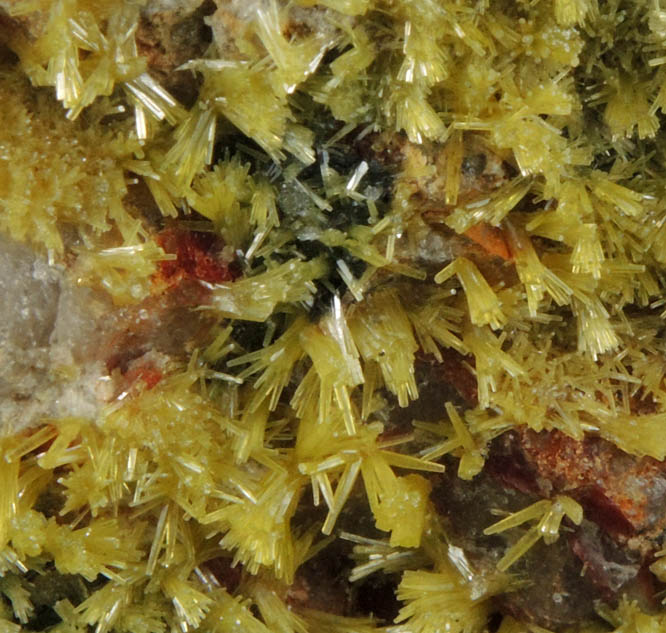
x: 222, y: 458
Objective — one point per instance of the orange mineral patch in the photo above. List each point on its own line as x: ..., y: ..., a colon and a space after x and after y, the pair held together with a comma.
x: 491, y: 238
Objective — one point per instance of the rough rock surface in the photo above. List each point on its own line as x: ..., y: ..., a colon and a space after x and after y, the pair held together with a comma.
x: 169, y: 34
x: 606, y: 556
x: 65, y: 349
x: 47, y: 330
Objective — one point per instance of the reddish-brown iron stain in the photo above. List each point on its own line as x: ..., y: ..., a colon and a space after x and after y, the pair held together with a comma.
x: 198, y: 256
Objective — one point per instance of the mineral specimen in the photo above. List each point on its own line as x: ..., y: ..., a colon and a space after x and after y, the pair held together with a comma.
x: 335, y: 316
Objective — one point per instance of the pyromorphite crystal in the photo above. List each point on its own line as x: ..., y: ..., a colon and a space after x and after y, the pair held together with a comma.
x: 325, y: 316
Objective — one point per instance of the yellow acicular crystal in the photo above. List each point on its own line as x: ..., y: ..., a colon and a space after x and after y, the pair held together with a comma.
x: 549, y: 515
x: 484, y: 306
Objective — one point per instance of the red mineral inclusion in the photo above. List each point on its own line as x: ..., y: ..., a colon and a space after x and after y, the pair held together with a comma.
x: 165, y: 324
x: 198, y: 256
x: 148, y: 374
